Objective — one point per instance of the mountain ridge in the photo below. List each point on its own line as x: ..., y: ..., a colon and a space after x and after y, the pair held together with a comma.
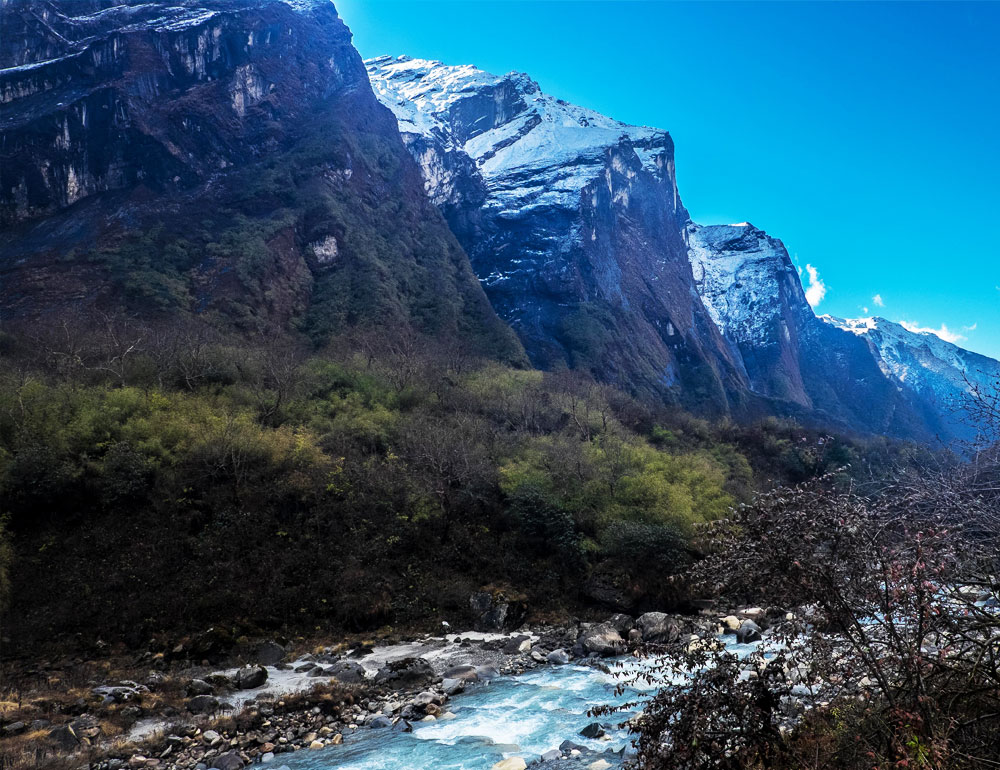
x: 490, y: 170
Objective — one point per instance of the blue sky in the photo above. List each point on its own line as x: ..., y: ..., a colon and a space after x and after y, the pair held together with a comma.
x: 865, y: 135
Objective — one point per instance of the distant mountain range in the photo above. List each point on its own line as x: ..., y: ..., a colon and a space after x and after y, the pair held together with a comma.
x: 235, y: 159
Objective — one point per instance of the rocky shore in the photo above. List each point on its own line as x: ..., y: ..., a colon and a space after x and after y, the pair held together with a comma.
x: 226, y: 719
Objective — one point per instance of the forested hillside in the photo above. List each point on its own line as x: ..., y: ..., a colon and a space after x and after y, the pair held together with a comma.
x: 170, y: 478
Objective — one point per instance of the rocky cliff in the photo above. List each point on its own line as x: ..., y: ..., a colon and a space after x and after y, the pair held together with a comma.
x: 216, y: 156
x: 575, y: 227
x: 573, y: 224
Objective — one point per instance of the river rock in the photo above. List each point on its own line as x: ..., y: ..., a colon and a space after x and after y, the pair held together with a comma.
x: 599, y: 764
x: 250, y: 677
x: 231, y: 760
x: 731, y: 624
x: 748, y: 632
x: 348, y: 672
x: 602, y: 639
x: 511, y: 763
x: 462, y: 673
x: 592, y: 731
x: 622, y: 623
x: 406, y: 673
x: 199, y: 687
x: 380, y: 722
x: 558, y: 657
x: 269, y: 653
x: 203, y: 704
x: 517, y: 644
x: 657, y: 628
x: 426, y: 698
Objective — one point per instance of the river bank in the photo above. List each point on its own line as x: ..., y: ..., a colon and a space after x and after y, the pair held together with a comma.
x: 466, y: 697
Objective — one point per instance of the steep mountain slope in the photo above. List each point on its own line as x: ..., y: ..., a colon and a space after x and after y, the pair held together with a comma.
x: 815, y: 371
x: 936, y: 371
x: 575, y: 227
x: 216, y: 156
x: 573, y: 223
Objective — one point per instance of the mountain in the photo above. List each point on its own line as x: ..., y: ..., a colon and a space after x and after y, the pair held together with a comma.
x: 573, y: 224
x: 935, y: 371
x: 812, y: 370
x: 575, y: 227
x: 221, y: 157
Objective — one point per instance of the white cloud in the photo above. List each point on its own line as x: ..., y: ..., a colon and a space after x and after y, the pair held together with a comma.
x: 864, y: 310
x: 944, y: 332
x: 971, y: 328
x: 877, y: 299
x: 817, y: 289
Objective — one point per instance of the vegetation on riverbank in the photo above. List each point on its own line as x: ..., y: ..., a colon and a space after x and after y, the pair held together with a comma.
x: 170, y: 478
x: 885, y: 603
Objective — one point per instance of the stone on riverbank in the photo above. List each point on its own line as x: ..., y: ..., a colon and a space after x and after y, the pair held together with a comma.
x: 602, y: 639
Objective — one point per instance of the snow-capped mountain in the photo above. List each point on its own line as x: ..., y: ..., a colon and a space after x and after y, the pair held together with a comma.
x: 575, y: 227
x: 573, y: 224
x: 938, y: 371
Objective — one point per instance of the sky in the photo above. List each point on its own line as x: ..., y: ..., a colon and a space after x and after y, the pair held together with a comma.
x: 866, y: 136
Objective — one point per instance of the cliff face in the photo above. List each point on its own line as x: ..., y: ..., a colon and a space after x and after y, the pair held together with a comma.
x: 216, y: 156
x: 573, y: 224
x: 575, y: 227
x: 809, y: 368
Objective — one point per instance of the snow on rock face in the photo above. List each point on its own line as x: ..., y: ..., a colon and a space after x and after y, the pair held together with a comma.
x: 922, y: 361
x: 530, y: 148
x: 744, y: 277
x: 571, y: 219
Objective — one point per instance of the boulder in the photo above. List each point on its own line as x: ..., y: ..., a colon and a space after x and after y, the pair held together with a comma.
x: 517, y: 644
x: 64, y: 738
x: 426, y: 698
x: 602, y: 639
x: 592, y: 731
x: 599, y: 764
x: 231, y: 760
x: 511, y: 763
x: 14, y: 728
x: 567, y: 746
x: 621, y: 623
x: 380, y: 722
x: 452, y: 686
x: 213, y: 645
x: 558, y: 657
x: 203, y: 704
x: 210, y: 737
x: 269, y: 653
x: 462, y: 673
x: 657, y: 628
x: 748, y: 632
x: 731, y: 624
x: 249, y: 677
x: 199, y: 687
x: 406, y: 673
x: 494, y: 612
x: 348, y: 672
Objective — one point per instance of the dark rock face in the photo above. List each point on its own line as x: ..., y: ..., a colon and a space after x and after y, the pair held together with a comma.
x: 216, y: 155
x: 575, y: 228
x: 809, y: 368
x: 573, y: 225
